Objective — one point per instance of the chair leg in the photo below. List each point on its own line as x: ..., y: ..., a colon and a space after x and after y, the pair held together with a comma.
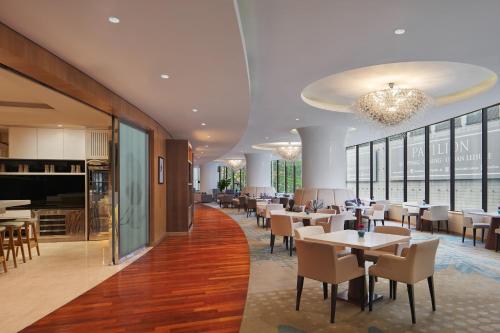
x: 272, y: 242
x: 447, y: 230
x: 383, y: 222
x: 439, y: 226
x: 20, y: 242
x: 325, y: 290
x: 411, y: 299
x: 497, y: 242
x: 371, y: 287
x: 463, y: 233
x: 482, y: 235
x: 363, y: 293
x: 409, y: 220
x: 474, y: 236
x: 291, y: 246
x: 403, y: 220
x: 430, y: 282
x: 28, y: 240
x: 285, y: 240
x: 334, y: 303
x: 390, y: 289
x: 300, y: 285
x: 394, y: 289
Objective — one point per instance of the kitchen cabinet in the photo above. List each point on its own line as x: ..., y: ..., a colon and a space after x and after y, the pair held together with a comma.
x: 50, y: 143
x: 22, y: 142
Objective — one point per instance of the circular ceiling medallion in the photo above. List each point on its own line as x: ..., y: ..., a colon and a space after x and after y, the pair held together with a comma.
x: 444, y: 82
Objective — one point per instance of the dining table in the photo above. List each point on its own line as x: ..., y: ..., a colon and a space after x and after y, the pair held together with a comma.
x: 358, y: 213
x: 358, y: 246
x: 306, y: 217
x: 494, y: 224
x: 421, y: 209
x: 4, y: 204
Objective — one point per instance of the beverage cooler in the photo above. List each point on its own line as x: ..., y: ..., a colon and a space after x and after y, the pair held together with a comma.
x: 99, y: 200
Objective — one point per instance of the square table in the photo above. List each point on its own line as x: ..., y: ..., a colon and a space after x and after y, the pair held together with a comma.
x: 358, y: 245
x: 495, y: 223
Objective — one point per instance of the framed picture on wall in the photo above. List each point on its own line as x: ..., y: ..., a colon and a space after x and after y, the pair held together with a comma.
x: 161, y: 170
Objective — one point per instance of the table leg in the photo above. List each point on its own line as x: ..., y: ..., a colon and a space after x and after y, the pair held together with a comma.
x: 490, y: 240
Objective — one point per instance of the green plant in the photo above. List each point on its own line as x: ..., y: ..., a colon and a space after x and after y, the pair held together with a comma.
x: 223, y: 184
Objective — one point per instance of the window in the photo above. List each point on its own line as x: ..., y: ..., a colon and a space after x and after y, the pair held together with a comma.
x: 286, y: 176
x: 298, y: 175
x: 379, y: 168
x: 468, y: 163
x: 396, y: 165
x: 351, y: 168
x: 289, y: 177
x: 274, y: 174
x: 493, y: 158
x: 416, y: 165
x: 439, y: 163
x: 243, y: 178
x: 281, y: 176
x: 364, y: 171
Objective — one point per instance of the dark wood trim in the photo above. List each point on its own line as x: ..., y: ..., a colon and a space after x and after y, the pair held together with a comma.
x: 427, y: 163
x: 387, y: 161
x: 484, y: 159
x: 452, y: 164
x: 357, y: 171
x: 371, y: 169
x: 405, y: 166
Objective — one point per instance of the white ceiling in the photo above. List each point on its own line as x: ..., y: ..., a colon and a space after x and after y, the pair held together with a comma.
x: 289, y: 44
x: 198, y: 43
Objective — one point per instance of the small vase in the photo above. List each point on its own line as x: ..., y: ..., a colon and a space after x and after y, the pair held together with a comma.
x: 361, y: 233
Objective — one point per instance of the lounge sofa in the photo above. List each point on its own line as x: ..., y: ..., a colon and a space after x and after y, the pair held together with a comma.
x: 254, y: 191
x: 329, y: 196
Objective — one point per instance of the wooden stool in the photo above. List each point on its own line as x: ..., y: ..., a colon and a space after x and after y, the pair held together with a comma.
x: 2, y: 256
x: 15, y: 243
x: 30, y: 240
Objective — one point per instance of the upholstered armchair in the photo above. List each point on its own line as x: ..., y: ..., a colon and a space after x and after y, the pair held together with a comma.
x: 373, y: 255
x: 409, y: 209
x: 436, y: 214
x: 474, y: 221
x: 376, y: 213
x: 303, y: 232
x: 252, y: 207
x: 416, y: 264
x: 283, y: 225
x: 271, y: 208
x: 326, y: 223
x: 320, y: 262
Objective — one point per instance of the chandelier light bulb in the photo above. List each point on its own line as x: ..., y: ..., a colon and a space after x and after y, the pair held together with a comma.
x: 289, y: 152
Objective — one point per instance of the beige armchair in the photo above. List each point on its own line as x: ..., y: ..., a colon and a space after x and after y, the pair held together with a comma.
x: 283, y: 225
x: 436, y: 214
x: 474, y: 221
x: 416, y: 265
x: 409, y: 209
x: 320, y: 262
x: 267, y: 213
x: 376, y: 213
x: 373, y: 255
x: 326, y: 223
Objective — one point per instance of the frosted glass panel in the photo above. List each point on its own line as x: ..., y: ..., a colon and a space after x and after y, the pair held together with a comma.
x: 134, y: 188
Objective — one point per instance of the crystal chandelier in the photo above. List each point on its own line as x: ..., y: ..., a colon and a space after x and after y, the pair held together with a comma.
x: 392, y: 106
x: 235, y: 164
x: 289, y: 152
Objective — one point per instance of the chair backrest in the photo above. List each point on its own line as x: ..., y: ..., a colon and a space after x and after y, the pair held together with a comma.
x: 275, y: 208
x: 281, y: 225
x: 421, y: 258
x: 386, y: 203
x: 326, y: 222
x: 439, y: 212
x: 393, y: 230
x: 316, y: 261
x: 378, y: 211
x: 275, y: 200
x: 309, y: 195
x: 469, y: 219
x: 301, y: 233
x: 227, y: 198
x: 297, y: 196
x: 252, y: 204
x: 284, y: 202
x: 411, y: 206
x: 326, y: 195
x: 337, y: 221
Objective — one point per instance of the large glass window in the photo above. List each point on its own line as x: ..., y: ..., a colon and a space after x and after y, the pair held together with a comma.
x: 379, y: 170
x: 351, y: 168
x: 134, y: 189
x: 439, y: 163
x: 298, y: 175
x: 364, y: 171
x: 396, y: 168
x: 274, y: 174
x: 493, y: 158
x: 416, y: 165
x: 468, y: 165
x: 286, y: 176
x: 281, y: 176
x: 289, y: 176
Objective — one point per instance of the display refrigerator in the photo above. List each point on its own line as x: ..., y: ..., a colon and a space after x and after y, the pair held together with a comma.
x: 99, y: 200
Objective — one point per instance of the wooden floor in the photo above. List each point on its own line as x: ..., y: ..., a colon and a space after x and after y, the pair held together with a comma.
x: 195, y: 283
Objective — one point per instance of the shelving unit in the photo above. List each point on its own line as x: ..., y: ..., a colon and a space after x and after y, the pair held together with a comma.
x: 42, y: 173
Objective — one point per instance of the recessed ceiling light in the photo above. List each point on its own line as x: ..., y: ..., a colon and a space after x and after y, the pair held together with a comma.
x: 297, y: 119
x: 59, y: 125
x: 165, y: 76
x: 208, y: 136
x: 203, y: 124
x: 206, y: 146
x: 399, y: 31
x: 195, y: 110
x: 113, y: 19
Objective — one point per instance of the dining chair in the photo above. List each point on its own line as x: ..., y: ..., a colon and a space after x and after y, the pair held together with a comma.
x: 274, y: 207
x: 373, y: 255
x: 31, y: 235
x: 376, y: 213
x: 415, y: 264
x: 284, y: 202
x: 3, y: 260
x: 474, y: 221
x: 438, y: 213
x: 251, y: 207
x: 497, y: 239
x: 283, y: 225
x: 409, y: 209
x: 320, y: 262
x: 325, y: 222
x: 14, y: 229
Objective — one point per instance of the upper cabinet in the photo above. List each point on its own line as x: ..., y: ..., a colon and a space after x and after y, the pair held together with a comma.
x: 46, y: 143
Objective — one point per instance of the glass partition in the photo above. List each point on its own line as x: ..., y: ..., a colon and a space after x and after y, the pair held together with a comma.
x: 493, y: 158
x: 416, y: 165
x: 133, y: 190
x: 364, y: 171
x: 379, y: 170
x: 439, y: 163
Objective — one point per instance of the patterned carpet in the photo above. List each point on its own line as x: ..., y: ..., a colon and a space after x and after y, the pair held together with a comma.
x: 467, y: 283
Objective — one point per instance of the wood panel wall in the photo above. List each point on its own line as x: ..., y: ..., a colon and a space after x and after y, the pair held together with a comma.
x: 28, y: 58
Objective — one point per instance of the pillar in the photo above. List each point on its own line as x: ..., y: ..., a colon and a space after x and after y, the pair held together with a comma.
x: 209, y: 177
x: 258, y: 169
x: 323, y: 156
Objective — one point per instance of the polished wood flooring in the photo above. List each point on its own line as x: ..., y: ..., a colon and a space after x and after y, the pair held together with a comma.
x: 195, y: 283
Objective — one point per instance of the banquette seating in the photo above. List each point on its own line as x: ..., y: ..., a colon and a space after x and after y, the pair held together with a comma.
x: 329, y: 196
x: 255, y: 192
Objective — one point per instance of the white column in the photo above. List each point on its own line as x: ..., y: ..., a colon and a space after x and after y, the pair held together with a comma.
x: 209, y: 177
x: 258, y: 169
x: 323, y: 156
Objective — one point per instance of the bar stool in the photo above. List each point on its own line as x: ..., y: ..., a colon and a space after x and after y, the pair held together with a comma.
x: 31, y: 236
x: 2, y: 255
x: 14, y: 227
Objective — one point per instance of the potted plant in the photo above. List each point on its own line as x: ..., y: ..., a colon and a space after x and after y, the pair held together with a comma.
x: 223, y: 184
x: 361, y: 230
